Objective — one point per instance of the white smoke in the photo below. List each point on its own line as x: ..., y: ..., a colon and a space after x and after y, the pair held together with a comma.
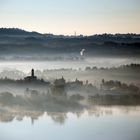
x: 82, y: 52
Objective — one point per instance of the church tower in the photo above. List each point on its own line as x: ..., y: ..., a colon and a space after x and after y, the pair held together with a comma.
x: 32, y: 73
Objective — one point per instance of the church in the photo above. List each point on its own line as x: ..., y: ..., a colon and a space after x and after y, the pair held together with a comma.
x: 31, y: 78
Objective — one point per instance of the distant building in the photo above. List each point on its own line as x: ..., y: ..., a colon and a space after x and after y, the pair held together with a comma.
x: 58, y: 89
x: 75, y: 84
x: 60, y: 82
x: 31, y: 78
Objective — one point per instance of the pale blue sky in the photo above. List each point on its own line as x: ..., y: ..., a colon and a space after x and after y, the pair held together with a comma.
x: 66, y: 16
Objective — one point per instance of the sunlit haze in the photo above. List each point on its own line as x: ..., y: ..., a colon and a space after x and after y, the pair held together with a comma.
x: 67, y: 16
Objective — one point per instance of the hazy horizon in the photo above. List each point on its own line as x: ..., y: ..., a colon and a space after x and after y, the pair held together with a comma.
x: 60, y: 85
x: 86, y: 17
x: 69, y: 34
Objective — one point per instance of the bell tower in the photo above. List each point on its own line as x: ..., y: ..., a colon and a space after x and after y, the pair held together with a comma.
x: 32, y: 72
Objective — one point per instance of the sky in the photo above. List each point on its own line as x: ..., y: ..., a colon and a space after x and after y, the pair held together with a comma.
x: 86, y: 17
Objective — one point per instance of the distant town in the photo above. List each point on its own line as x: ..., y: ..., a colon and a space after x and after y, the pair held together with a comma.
x: 61, y: 88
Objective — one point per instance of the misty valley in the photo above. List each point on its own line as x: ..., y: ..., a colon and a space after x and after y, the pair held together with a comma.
x: 42, y: 101
x: 67, y: 90
x: 69, y: 87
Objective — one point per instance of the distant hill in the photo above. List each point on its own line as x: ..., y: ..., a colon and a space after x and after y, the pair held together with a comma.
x: 16, y: 44
x: 16, y: 31
x: 101, y: 37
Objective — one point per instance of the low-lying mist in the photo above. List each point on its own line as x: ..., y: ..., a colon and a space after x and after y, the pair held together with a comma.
x: 124, y: 73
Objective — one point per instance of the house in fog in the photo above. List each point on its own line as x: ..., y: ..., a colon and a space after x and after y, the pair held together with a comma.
x: 76, y: 83
x: 60, y: 82
x: 58, y: 88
